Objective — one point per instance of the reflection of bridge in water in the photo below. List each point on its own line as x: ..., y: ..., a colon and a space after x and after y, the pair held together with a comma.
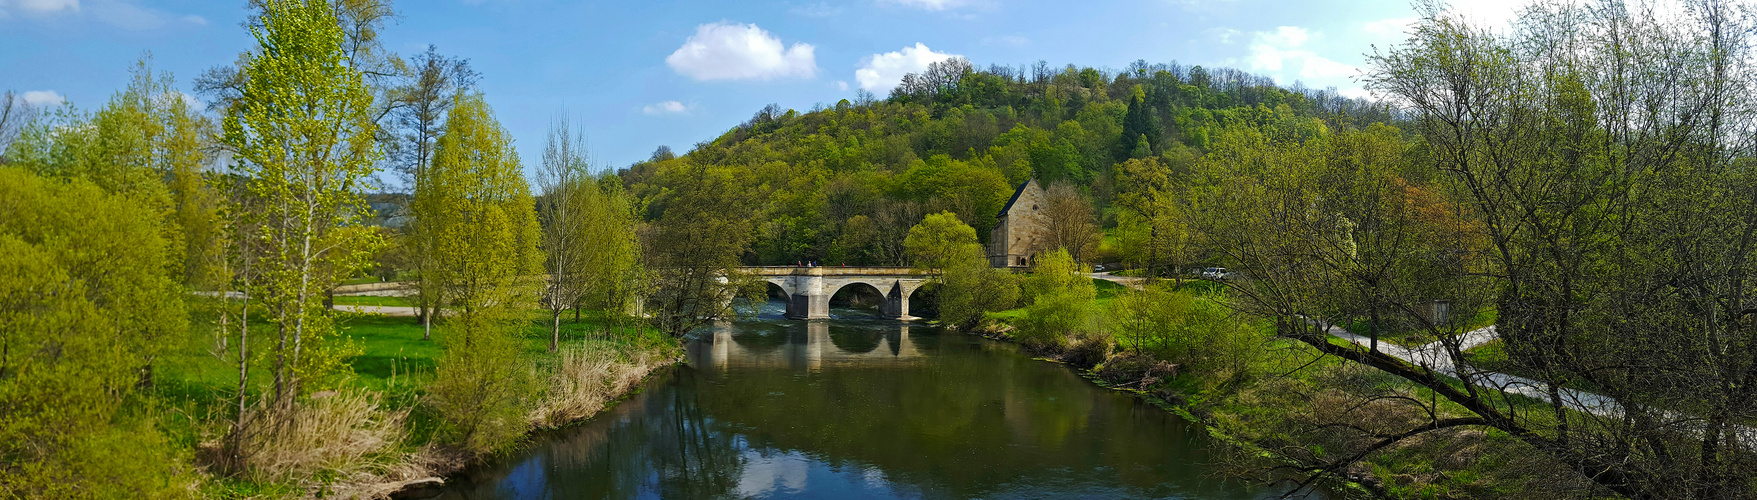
x: 808, y: 289
x: 807, y: 347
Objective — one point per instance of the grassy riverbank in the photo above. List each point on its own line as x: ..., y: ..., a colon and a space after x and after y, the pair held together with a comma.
x: 370, y: 431
x: 1280, y: 404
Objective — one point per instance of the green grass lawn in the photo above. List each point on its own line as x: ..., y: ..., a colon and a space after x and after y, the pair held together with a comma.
x: 392, y: 357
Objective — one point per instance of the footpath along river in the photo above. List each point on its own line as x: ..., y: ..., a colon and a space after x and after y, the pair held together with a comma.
x: 859, y: 407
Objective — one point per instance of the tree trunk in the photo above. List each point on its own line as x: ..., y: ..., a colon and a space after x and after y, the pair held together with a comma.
x: 554, y: 329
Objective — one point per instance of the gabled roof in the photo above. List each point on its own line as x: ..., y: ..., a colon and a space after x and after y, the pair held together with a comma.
x: 1016, y: 194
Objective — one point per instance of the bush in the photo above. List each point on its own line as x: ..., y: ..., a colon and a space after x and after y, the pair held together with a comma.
x: 970, y: 289
x: 1194, y: 333
x: 483, y: 388
x: 587, y: 378
x: 1061, y: 302
x: 337, y: 432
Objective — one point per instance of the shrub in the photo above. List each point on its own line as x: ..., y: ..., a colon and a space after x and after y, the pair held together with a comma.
x: 338, y: 432
x: 586, y: 379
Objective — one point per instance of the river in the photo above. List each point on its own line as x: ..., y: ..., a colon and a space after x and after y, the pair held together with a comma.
x: 858, y: 407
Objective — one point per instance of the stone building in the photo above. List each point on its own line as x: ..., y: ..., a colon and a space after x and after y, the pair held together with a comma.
x: 1019, y: 231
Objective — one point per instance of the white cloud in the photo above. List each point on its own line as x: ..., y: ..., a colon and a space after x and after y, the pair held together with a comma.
x: 40, y: 6
x: 42, y: 98
x: 1497, y: 14
x: 934, y: 5
x: 841, y: 85
x: 665, y: 108
x: 120, y: 13
x: 1393, y: 28
x: 726, y: 51
x: 1279, y: 51
x: 878, y: 73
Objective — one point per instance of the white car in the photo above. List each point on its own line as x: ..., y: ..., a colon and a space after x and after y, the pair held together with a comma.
x: 1215, y: 273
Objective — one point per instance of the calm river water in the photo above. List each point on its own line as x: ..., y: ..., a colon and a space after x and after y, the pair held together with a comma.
x: 863, y: 408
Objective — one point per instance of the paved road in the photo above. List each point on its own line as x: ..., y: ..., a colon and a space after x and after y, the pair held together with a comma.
x: 1435, y: 356
x: 385, y: 310
x: 1131, y: 282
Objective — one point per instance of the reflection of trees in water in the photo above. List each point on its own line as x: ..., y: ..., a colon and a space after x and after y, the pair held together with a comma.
x: 960, y: 424
x: 976, y: 419
x: 693, y: 460
x: 661, y: 441
x: 856, y: 340
x: 762, y: 337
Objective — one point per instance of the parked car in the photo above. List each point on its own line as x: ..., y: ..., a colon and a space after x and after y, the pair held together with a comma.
x: 1215, y: 273
x: 1098, y: 268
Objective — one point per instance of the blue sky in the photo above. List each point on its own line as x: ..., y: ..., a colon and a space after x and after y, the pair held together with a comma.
x: 639, y: 74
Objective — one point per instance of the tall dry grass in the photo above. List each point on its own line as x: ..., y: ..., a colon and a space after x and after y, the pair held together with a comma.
x: 341, y: 433
x: 587, y: 378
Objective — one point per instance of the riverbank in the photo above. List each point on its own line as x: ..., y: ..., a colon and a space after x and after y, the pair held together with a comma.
x: 370, y: 434
x: 1290, y: 407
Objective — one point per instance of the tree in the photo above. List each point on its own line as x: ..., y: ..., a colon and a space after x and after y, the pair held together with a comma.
x: 84, y: 295
x: 302, y: 134
x: 562, y: 177
x: 970, y: 288
x: 693, y: 250
x: 422, y: 93
x: 1061, y: 305
x: 428, y: 86
x: 590, y: 248
x: 474, y: 204
x: 1152, y: 226
x: 15, y: 114
x: 1614, y: 213
x: 938, y: 240
x: 1070, y: 223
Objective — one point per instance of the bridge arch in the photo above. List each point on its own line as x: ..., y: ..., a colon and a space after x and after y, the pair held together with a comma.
x: 858, y: 293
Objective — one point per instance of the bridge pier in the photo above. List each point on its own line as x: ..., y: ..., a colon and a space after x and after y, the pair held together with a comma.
x: 897, y: 302
x: 808, y: 306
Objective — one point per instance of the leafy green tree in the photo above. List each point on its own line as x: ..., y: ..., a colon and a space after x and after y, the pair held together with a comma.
x: 1198, y: 334
x: 302, y: 133
x: 692, y: 251
x: 84, y: 296
x: 938, y: 240
x: 970, y: 288
x: 475, y: 204
x: 1061, y: 296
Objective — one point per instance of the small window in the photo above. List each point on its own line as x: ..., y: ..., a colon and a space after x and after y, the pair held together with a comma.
x: 1033, y: 207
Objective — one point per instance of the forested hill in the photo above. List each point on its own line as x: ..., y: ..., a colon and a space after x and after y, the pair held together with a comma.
x: 844, y: 184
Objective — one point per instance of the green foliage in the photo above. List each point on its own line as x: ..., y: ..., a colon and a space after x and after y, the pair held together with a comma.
x: 86, y: 302
x: 969, y: 289
x: 1061, y: 297
x: 693, y: 253
x: 844, y: 183
x: 938, y: 241
x: 474, y: 203
x: 1196, y: 333
x: 303, y: 136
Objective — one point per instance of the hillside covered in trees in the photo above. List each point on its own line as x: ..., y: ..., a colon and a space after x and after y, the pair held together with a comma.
x: 843, y: 183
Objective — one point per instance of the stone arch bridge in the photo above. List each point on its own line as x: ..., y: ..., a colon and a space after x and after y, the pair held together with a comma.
x: 809, y: 289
